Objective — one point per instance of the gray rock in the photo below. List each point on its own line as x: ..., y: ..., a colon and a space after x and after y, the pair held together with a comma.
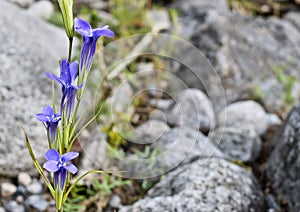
x: 192, y: 109
x: 174, y: 147
x: 35, y: 187
x: 149, y: 132
x: 25, y: 55
x: 24, y: 179
x: 244, y: 114
x: 205, y: 185
x: 95, y: 152
x: 283, y: 166
x: 243, y: 50
x: 13, y: 206
x: 294, y: 18
x: 42, y: 9
x: 238, y: 143
x: 194, y: 8
x: 159, y: 20
x: 37, y: 202
x: 7, y: 189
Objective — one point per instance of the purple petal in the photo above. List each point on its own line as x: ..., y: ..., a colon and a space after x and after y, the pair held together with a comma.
x: 42, y: 117
x: 104, y: 31
x: 65, y: 72
x: 62, y: 178
x: 69, y: 156
x: 71, y: 168
x: 51, y: 165
x: 52, y: 154
x: 82, y: 27
x: 48, y: 111
x: 74, y: 70
x: 53, y: 77
x: 52, y: 131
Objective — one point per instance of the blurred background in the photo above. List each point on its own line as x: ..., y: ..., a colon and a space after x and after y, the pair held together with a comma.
x: 199, y: 104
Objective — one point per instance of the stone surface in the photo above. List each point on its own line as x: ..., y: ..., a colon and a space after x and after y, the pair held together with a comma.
x: 283, y: 166
x: 205, y: 185
x: 244, y: 114
x: 24, y: 179
x: 13, y: 206
x: 35, y: 187
x: 244, y: 51
x: 158, y: 19
x: 192, y: 109
x: 149, y: 132
x: 25, y: 54
x: 37, y: 202
x: 42, y: 9
x: 95, y: 153
x: 7, y: 189
x: 175, y: 147
x: 242, y: 144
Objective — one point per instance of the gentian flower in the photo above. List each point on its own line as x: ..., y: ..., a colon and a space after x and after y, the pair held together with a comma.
x: 51, y: 119
x: 90, y: 37
x: 60, y: 165
x: 68, y: 75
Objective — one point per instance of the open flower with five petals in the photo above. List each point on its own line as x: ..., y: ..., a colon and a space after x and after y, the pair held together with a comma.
x: 60, y: 165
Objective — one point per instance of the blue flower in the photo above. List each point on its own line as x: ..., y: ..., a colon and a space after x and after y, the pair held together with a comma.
x: 90, y: 37
x: 60, y: 165
x: 51, y: 119
x: 68, y: 75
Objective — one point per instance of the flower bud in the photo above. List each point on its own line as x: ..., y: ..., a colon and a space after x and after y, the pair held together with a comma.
x: 66, y: 7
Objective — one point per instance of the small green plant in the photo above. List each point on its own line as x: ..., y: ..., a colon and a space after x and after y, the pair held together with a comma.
x: 288, y: 82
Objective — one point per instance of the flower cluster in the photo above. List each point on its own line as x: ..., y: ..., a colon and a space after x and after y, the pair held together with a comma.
x: 60, y: 124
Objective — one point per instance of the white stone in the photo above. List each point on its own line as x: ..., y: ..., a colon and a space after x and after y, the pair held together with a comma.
x: 7, y: 189
x: 24, y: 179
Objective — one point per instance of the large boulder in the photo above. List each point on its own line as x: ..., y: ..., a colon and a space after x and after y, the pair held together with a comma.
x: 205, y: 185
x: 283, y: 166
x: 253, y: 56
x: 29, y: 47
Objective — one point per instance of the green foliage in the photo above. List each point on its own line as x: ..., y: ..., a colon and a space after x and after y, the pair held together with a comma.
x: 115, y: 139
x: 288, y: 81
x: 131, y: 17
x: 74, y: 204
x: 83, y: 196
x: 107, y: 185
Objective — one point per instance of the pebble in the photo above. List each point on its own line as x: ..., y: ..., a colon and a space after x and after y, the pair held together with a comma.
x: 7, y: 189
x: 35, y: 188
x: 24, y: 179
x: 13, y: 206
x: 115, y: 201
x: 37, y: 202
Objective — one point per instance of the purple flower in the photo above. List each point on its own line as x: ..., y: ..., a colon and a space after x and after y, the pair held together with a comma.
x: 90, y: 37
x: 60, y: 165
x: 51, y: 119
x: 68, y: 75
